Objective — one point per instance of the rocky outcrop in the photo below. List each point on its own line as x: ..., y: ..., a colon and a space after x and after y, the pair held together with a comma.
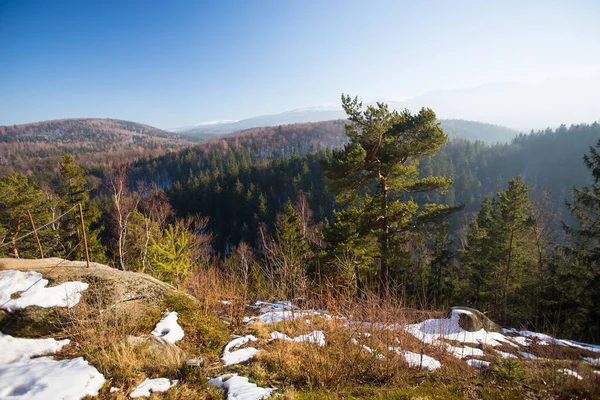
x: 472, y: 320
x: 110, y: 290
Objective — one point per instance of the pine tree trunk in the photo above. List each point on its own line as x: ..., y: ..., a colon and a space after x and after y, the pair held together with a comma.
x: 383, y: 267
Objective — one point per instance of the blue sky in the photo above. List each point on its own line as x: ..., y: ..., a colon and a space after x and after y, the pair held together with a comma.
x: 176, y: 63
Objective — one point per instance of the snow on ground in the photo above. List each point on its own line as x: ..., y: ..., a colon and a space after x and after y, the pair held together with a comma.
x: 235, y: 357
x: 239, y: 388
x: 264, y: 307
x: 570, y: 372
x: 592, y: 360
x: 317, y: 337
x: 152, y: 385
x: 168, y: 328
x: 18, y: 349
x: 418, y: 360
x: 432, y: 330
x: 506, y: 355
x: 463, y: 352
x: 524, y: 339
x: 530, y: 356
x: 44, y: 378
x: 35, y: 292
x: 478, y: 363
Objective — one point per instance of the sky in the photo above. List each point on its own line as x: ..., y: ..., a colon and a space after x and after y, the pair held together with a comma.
x: 177, y: 63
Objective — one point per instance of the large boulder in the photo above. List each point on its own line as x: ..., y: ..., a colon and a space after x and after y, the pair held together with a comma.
x: 109, y: 290
x: 473, y: 320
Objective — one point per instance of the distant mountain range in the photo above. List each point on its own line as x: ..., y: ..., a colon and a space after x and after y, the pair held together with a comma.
x: 522, y: 107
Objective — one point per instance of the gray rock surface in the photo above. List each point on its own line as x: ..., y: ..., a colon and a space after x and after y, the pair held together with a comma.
x: 473, y: 320
x: 110, y: 290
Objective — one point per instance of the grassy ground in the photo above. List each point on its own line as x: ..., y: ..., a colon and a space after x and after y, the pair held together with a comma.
x: 342, y: 369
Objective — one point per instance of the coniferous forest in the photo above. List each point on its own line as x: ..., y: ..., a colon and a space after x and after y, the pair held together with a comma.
x: 392, y: 206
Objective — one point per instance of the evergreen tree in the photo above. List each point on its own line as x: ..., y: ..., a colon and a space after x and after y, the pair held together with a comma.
x: 579, y: 277
x: 377, y: 170
x: 17, y: 196
x: 74, y: 191
x: 500, y: 255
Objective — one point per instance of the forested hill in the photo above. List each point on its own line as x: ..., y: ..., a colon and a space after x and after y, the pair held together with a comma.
x: 285, y: 140
x: 326, y: 134
x: 214, y: 176
x: 472, y: 130
x: 551, y: 160
x: 36, y: 146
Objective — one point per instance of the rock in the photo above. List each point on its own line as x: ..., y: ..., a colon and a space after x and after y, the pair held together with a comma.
x: 197, y: 362
x: 156, y: 347
x: 472, y: 320
x: 110, y: 290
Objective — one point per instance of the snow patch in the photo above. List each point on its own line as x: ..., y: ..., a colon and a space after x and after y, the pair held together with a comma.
x: 317, y: 337
x: 239, y: 388
x: 35, y: 292
x: 592, y: 360
x: 416, y: 360
x: 478, y: 363
x: 506, y: 355
x: 570, y: 372
x: 530, y: 356
x: 464, y: 352
x: 432, y: 330
x: 18, y: 349
x: 235, y: 357
x: 44, y: 378
x: 168, y: 328
x: 152, y: 385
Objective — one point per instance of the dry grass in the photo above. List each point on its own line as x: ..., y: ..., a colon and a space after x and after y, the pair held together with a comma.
x: 343, y: 369
x: 99, y: 333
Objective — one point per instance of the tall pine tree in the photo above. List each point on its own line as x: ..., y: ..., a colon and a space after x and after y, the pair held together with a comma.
x: 377, y: 171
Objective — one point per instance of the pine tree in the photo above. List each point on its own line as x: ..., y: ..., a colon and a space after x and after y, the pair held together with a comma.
x: 376, y: 172
x: 579, y: 276
x: 500, y: 255
x: 74, y: 191
x: 17, y: 196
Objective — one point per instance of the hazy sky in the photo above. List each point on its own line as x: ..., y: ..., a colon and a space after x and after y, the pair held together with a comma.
x: 176, y: 63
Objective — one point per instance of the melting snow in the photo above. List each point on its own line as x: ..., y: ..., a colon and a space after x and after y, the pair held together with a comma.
x: 35, y: 292
x: 235, y: 357
x: 506, y: 355
x: 44, y: 378
x: 418, y: 360
x: 432, y: 330
x: 168, y: 328
x: 317, y: 337
x: 524, y: 354
x: 592, y: 360
x: 478, y: 363
x: 276, y: 306
x: 18, y: 349
x: 239, y: 388
x: 464, y: 352
x: 570, y: 372
x: 545, y: 339
x: 152, y: 385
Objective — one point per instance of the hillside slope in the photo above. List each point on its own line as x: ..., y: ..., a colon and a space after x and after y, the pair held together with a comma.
x: 35, y: 146
x: 455, y: 128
